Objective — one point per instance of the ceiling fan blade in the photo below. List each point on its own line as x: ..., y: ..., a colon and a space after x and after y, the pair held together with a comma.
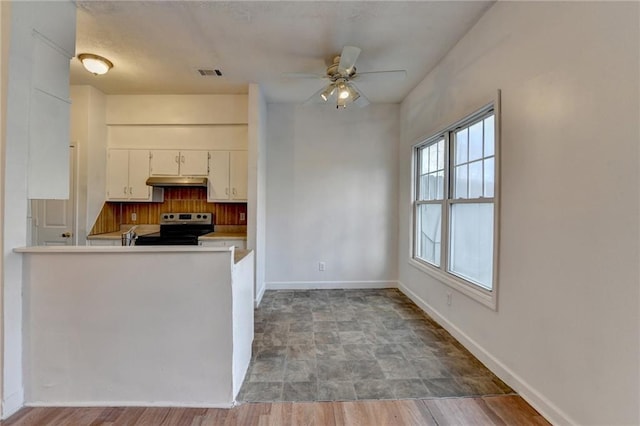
x: 392, y: 75
x: 362, y: 100
x: 348, y: 59
x: 306, y: 75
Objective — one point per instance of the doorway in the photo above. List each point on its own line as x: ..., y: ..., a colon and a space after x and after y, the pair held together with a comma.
x: 54, y: 220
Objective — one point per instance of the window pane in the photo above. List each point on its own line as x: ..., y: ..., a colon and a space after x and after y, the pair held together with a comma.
x: 424, y: 161
x: 489, y: 173
x: 433, y: 184
x: 440, y: 187
x: 461, y: 146
x: 422, y: 190
x: 429, y: 227
x: 461, y: 182
x: 475, y: 179
x: 433, y: 158
x: 441, y: 155
x: 475, y: 141
x: 489, y: 140
x: 471, y: 252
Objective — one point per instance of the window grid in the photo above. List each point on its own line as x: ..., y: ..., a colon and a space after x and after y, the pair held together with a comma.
x: 478, y: 157
x: 461, y: 138
x: 432, y: 166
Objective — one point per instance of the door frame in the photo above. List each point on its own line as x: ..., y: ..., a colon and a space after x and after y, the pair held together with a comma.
x: 34, y: 205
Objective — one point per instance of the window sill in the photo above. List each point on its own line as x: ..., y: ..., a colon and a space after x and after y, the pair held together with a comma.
x: 486, y: 298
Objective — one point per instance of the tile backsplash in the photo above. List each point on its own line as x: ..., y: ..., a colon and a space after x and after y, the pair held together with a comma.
x: 192, y: 200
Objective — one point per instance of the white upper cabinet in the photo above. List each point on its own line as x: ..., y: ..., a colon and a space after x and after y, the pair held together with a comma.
x: 227, y: 176
x: 179, y: 163
x: 117, y: 174
x: 165, y: 163
x: 238, y: 175
x: 138, y: 175
x: 127, y: 173
x: 218, y: 176
x: 194, y: 163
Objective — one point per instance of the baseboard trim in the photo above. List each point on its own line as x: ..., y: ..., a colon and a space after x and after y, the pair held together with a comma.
x: 545, y: 407
x: 259, y: 295
x: 328, y: 285
x: 12, y: 404
x: 161, y: 404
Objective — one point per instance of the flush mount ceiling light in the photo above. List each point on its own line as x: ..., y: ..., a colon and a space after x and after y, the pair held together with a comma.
x: 97, y: 65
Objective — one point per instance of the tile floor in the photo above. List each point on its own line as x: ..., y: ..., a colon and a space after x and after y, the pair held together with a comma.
x: 343, y: 345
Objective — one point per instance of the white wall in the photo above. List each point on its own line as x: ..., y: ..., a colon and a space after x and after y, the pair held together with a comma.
x: 177, y: 109
x: 96, y: 152
x: 178, y: 334
x: 566, y: 333
x: 56, y: 21
x: 174, y: 121
x: 257, y: 178
x: 5, y: 24
x: 331, y: 196
x: 89, y: 132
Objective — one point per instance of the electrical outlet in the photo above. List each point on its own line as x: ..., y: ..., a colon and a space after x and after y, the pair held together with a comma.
x: 134, y: 217
x: 449, y: 299
x: 242, y: 217
x: 322, y: 266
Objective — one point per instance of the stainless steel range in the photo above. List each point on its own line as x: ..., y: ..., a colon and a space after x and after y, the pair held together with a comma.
x: 177, y: 229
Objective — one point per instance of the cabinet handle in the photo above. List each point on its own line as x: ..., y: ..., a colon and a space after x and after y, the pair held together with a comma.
x: 125, y: 190
x: 177, y: 158
x: 182, y: 158
x: 226, y: 191
x: 234, y: 191
x: 130, y: 190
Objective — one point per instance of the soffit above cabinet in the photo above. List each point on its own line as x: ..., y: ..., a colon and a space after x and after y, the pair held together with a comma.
x: 176, y: 109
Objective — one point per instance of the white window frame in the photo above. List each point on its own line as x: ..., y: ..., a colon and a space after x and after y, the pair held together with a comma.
x: 488, y: 298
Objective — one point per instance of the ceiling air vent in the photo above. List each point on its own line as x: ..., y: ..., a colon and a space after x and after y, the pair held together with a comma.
x: 210, y: 72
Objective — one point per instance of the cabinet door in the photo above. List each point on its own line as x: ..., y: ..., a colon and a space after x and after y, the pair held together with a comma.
x: 194, y: 163
x: 238, y: 175
x: 138, y: 175
x: 165, y: 163
x: 218, y: 176
x: 117, y: 174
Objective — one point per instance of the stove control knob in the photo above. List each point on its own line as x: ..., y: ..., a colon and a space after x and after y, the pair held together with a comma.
x: 204, y: 216
x: 170, y: 216
x: 165, y: 216
x: 199, y: 216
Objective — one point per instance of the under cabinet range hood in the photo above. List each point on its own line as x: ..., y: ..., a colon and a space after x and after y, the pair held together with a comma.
x: 165, y: 181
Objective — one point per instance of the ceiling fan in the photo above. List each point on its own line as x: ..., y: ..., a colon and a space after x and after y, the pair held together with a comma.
x: 341, y: 74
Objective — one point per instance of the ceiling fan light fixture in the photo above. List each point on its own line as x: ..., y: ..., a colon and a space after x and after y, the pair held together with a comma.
x: 343, y: 90
x: 326, y: 94
x: 95, y: 64
x: 353, y: 93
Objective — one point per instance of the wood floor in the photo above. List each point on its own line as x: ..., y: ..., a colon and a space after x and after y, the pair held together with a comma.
x: 504, y: 410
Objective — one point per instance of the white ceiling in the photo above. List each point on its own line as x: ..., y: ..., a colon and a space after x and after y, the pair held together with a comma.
x: 158, y: 46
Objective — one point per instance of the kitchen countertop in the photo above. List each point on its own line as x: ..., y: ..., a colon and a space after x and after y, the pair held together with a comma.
x: 117, y: 235
x: 114, y: 235
x: 223, y: 236
x: 238, y: 254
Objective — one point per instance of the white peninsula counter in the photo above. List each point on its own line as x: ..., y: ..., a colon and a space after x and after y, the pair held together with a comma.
x: 136, y: 326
